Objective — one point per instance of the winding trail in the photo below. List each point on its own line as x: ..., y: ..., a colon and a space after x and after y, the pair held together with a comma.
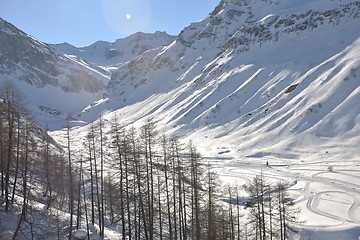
x: 333, y: 195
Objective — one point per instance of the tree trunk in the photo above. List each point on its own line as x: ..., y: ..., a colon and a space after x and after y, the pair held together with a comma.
x: 71, y: 190
x: 25, y: 192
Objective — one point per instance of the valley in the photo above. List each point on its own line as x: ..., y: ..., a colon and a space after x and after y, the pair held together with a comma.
x: 264, y: 88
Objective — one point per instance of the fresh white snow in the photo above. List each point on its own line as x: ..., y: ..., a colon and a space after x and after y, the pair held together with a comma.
x: 240, y: 112
x: 291, y: 102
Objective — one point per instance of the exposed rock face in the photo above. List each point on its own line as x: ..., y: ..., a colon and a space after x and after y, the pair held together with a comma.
x: 243, y: 23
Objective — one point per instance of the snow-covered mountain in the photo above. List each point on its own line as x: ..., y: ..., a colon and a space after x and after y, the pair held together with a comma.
x: 261, y: 81
x: 109, y: 54
x: 250, y: 72
x: 258, y: 81
x: 55, y: 85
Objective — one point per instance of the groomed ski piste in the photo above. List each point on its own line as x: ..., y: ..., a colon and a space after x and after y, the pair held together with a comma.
x: 325, y: 190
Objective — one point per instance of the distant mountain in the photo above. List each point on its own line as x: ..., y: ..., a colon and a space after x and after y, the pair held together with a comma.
x: 250, y: 72
x: 55, y: 85
x: 105, y: 53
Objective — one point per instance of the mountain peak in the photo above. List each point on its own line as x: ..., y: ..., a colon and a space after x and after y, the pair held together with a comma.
x: 122, y: 50
x: 8, y: 27
x: 242, y: 23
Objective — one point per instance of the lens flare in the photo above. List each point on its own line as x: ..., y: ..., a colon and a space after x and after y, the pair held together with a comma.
x: 115, y: 10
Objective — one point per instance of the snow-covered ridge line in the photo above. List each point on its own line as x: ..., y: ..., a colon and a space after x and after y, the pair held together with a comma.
x: 114, y: 54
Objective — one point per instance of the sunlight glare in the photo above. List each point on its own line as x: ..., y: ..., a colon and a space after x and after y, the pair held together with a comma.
x: 115, y: 10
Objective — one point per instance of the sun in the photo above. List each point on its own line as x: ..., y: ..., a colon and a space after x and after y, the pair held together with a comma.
x: 124, y: 17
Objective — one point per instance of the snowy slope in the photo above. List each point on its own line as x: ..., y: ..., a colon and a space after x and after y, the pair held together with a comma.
x: 232, y: 72
x: 260, y: 81
x: 256, y: 82
x: 55, y: 85
x: 109, y: 54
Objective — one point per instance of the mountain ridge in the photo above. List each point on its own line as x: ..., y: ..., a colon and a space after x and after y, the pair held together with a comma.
x: 58, y: 86
x: 108, y: 54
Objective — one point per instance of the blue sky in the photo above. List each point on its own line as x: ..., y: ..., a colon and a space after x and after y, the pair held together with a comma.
x: 82, y: 22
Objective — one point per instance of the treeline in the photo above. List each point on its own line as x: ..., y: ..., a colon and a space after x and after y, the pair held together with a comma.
x: 151, y: 186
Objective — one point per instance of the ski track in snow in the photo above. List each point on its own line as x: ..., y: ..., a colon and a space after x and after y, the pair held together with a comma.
x: 335, y: 198
x: 353, y: 210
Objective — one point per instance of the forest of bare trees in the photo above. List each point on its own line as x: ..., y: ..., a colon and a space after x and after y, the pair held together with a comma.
x: 150, y: 185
